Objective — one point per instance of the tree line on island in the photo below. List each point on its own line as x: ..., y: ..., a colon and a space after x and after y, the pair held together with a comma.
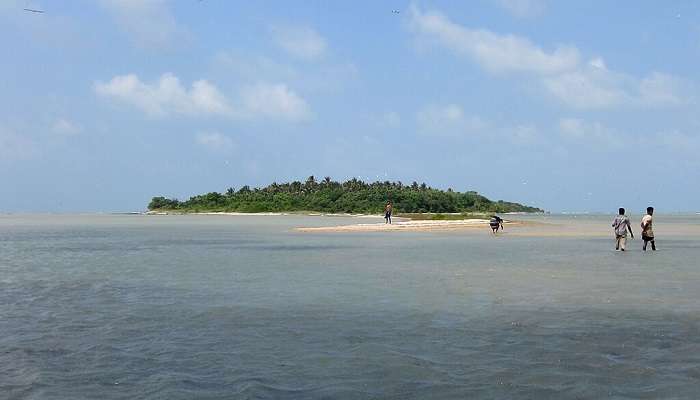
x: 352, y: 196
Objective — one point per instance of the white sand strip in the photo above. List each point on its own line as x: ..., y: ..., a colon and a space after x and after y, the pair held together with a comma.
x: 422, y: 225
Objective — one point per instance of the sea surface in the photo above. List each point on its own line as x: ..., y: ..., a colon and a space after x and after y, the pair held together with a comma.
x: 223, y: 307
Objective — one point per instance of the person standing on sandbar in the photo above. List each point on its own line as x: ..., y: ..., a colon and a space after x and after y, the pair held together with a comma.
x: 387, y: 213
x: 647, y: 231
x: 621, y: 223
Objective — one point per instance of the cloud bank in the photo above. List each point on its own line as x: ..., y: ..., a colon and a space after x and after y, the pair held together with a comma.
x: 167, y: 96
x: 493, y: 52
x: 559, y: 72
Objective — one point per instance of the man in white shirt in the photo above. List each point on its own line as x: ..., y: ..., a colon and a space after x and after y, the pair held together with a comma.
x: 621, y: 223
x: 647, y: 231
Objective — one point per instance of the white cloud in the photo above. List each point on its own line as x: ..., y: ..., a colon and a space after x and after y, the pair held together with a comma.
x: 166, y: 96
x: 494, y: 52
x: 588, y: 87
x: 595, y: 134
x: 523, y: 8
x: 215, y: 141
x: 670, y: 146
x: 448, y: 120
x: 595, y: 86
x: 64, y: 127
x: 274, y: 100
x: 560, y: 73
x: 299, y: 41
x: 148, y: 23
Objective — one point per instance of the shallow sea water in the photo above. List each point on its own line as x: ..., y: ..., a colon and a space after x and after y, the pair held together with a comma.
x: 217, y: 307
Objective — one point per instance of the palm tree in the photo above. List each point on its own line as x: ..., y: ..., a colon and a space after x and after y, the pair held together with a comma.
x: 310, y: 181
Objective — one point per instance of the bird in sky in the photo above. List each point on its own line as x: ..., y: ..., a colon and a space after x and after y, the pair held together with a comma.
x: 34, y: 10
x: 395, y: 11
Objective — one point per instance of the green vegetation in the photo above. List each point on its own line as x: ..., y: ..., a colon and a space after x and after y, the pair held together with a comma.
x: 353, y: 196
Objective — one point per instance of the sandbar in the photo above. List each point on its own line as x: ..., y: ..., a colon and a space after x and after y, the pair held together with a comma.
x: 409, y: 225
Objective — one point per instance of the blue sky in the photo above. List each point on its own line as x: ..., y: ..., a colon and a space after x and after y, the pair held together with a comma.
x: 569, y: 106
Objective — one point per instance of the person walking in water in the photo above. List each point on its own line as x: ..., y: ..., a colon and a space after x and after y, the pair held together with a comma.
x: 496, y: 223
x: 621, y: 224
x: 647, y: 231
x: 387, y: 213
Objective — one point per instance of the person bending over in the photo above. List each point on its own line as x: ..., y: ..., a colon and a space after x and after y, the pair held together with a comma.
x: 496, y: 223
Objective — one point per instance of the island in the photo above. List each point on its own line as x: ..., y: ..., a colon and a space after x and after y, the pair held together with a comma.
x: 352, y: 196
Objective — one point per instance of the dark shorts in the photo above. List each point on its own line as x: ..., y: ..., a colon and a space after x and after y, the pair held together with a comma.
x: 647, y: 238
x: 387, y: 215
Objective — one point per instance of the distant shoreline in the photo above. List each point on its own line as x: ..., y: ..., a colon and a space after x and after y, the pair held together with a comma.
x: 252, y: 214
x: 436, y: 217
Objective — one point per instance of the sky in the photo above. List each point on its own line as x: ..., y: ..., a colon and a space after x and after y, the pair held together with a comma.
x: 569, y: 106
